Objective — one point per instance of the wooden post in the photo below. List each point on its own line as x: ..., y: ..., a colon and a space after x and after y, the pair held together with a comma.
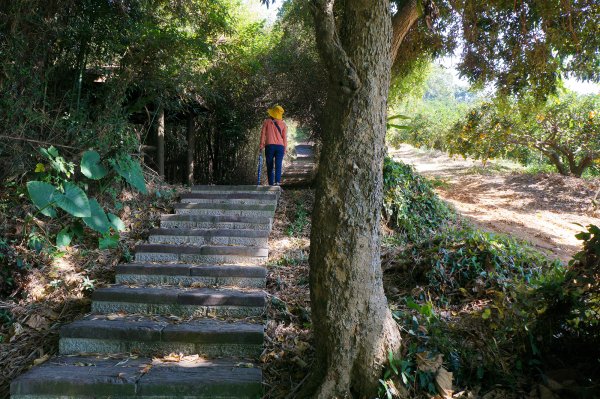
x: 160, y: 142
x: 191, y: 149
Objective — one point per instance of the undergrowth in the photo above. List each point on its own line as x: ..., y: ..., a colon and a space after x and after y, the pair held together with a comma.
x: 482, y: 311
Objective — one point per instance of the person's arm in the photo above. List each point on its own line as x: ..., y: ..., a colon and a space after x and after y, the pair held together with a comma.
x: 284, y: 137
x: 263, y: 135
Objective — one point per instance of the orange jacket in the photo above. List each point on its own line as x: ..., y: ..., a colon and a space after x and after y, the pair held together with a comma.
x: 270, y: 135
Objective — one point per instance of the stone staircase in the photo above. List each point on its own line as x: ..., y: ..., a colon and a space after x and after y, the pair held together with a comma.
x: 301, y: 171
x: 184, y: 320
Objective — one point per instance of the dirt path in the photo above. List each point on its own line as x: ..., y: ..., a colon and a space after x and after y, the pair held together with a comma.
x: 544, y: 209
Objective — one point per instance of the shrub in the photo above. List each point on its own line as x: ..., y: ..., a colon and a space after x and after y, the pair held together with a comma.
x: 410, y: 204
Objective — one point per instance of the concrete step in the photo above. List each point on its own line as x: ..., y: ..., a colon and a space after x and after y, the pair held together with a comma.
x: 215, y: 222
x: 236, y: 189
x: 88, y: 377
x: 155, y: 336
x: 255, y: 238
x: 225, y: 209
x: 197, y: 302
x: 197, y: 254
x: 188, y: 275
x: 250, y: 198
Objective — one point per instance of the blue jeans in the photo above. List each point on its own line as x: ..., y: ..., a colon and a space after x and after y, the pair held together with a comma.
x: 274, y: 153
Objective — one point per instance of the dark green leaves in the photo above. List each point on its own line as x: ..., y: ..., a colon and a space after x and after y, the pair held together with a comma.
x: 97, y: 220
x: 74, y: 201
x: 91, y: 166
x: 131, y: 171
x: 43, y: 196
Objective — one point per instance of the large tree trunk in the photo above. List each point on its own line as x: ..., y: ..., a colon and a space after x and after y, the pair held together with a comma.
x: 353, y: 326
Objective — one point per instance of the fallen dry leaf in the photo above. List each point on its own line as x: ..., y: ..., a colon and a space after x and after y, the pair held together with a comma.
x: 426, y: 362
x: 37, y: 322
x: 443, y: 383
x: 41, y: 360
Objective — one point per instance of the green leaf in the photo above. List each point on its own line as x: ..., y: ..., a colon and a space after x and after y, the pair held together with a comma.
x: 77, y: 229
x: 486, y: 314
x: 131, y: 171
x: 399, y: 116
x: 116, y: 222
x: 74, y: 201
x: 399, y: 127
x: 64, y: 238
x: 43, y: 195
x: 97, y: 220
x: 108, y: 241
x: 91, y: 166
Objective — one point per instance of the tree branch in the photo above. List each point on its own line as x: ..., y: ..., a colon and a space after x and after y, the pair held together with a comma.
x: 401, y: 23
x: 339, y: 65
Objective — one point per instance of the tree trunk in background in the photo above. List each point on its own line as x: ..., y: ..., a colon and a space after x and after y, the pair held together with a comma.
x: 191, y: 149
x: 160, y: 142
x: 352, y: 323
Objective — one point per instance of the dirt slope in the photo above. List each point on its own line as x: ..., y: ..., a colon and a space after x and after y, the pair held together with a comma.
x: 545, y: 209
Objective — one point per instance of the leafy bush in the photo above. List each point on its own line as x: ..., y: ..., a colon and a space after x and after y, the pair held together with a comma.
x: 410, y: 205
x: 57, y: 189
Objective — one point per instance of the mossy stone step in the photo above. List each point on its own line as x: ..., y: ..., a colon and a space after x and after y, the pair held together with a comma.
x: 197, y: 302
x: 225, y: 209
x: 154, y: 336
x: 86, y: 377
x: 248, y: 198
x: 216, y: 222
x: 200, y: 254
x: 236, y: 189
x: 190, y: 274
x: 255, y: 238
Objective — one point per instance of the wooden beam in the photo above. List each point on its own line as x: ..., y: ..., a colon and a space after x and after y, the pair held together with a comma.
x: 191, y: 149
x: 160, y: 142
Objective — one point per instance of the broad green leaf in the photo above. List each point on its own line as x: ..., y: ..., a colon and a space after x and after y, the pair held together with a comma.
x: 64, y: 238
x: 116, y: 222
x: 91, y: 166
x: 108, y: 241
x: 399, y: 116
x: 43, y: 195
x: 400, y: 127
x: 97, y: 220
x: 131, y: 171
x: 74, y: 201
x: 77, y: 229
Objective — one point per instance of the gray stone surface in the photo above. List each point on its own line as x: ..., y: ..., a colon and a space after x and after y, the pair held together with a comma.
x: 94, y: 377
x: 179, y: 296
x: 215, y: 222
x: 147, y: 337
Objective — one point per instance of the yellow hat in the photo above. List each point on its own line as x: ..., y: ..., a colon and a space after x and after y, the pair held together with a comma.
x: 275, y: 112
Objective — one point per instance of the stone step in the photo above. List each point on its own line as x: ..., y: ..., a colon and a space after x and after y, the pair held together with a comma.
x: 215, y: 222
x: 225, y: 209
x: 256, y: 238
x: 188, y: 275
x: 236, y: 189
x: 88, y: 377
x: 197, y: 302
x: 250, y: 198
x: 200, y: 254
x: 152, y: 337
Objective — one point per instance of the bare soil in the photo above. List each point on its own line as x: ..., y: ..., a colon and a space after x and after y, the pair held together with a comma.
x: 545, y: 209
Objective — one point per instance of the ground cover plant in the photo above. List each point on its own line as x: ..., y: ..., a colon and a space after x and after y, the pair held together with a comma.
x: 488, y: 309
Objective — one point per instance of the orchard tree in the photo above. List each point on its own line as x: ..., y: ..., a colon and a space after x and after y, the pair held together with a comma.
x: 565, y: 130
x: 513, y: 44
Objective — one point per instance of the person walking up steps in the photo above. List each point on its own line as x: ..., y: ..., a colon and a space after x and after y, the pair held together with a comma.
x: 273, y: 138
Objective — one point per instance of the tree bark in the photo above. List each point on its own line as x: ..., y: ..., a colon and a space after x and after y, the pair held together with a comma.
x: 352, y: 323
